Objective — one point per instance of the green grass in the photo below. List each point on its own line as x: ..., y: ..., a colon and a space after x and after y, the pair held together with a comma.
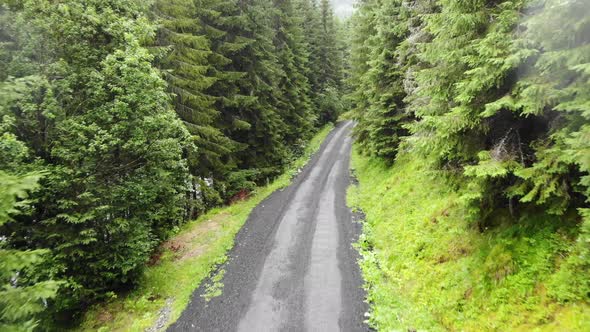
x: 426, y: 267
x: 187, y: 259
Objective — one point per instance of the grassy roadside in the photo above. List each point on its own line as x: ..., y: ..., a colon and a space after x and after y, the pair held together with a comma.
x: 427, y: 268
x: 186, y: 259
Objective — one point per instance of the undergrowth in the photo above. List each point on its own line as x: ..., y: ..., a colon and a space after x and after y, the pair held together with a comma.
x: 211, y: 237
x: 427, y: 267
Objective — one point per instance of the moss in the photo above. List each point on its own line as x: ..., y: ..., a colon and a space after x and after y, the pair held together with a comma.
x: 427, y: 267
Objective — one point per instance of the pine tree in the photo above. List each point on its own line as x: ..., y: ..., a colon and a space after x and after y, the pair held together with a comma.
x: 489, y: 93
x: 186, y: 68
x: 363, y: 27
x: 122, y: 105
x: 24, y: 289
x: 329, y: 56
x: 311, y: 25
x: 380, y: 120
x: 497, y: 95
x: 190, y: 75
x: 292, y: 54
x: 249, y: 95
x: 95, y: 116
x: 22, y: 295
x: 557, y: 89
x: 325, y: 62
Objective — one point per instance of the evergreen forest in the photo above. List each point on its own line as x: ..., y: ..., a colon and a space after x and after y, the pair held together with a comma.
x: 121, y: 121
x: 473, y: 158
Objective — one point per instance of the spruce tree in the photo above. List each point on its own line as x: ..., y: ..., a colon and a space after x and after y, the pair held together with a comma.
x: 311, y: 25
x: 381, y: 119
x: 488, y: 90
x: 325, y: 58
x: 95, y: 116
x: 186, y: 69
x: 23, y: 295
x: 292, y: 54
x: 248, y: 91
x: 497, y: 97
x: 329, y: 55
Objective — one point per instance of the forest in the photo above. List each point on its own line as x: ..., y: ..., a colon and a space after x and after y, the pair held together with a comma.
x: 123, y: 120
x: 473, y: 131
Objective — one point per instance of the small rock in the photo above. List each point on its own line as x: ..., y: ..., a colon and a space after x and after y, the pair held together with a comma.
x: 163, y: 317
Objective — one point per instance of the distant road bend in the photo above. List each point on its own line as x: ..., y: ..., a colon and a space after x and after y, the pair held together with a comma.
x: 293, y: 267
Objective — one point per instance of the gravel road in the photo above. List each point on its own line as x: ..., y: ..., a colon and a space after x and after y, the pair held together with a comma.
x: 293, y: 267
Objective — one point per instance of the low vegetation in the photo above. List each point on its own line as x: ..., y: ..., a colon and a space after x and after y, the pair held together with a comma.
x: 427, y: 267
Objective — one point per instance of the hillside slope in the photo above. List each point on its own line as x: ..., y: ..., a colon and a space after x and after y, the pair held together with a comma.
x: 427, y: 268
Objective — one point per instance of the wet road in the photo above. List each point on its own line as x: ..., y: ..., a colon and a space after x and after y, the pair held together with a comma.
x: 293, y: 267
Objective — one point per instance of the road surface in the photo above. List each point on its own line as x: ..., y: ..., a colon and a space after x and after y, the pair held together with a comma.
x: 293, y: 267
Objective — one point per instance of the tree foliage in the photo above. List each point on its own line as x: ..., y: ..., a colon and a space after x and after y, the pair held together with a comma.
x: 381, y: 29
x: 22, y: 296
x: 141, y: 115
x: 495, y: 91
x: 95, y: 115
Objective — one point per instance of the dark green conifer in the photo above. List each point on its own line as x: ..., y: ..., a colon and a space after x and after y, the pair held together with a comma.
x: 382, y: 113
x: 187, y: 69
x: 95, y: 116
x: 292, y: 54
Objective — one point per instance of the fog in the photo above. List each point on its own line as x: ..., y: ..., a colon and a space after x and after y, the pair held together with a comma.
x: 343, y: 8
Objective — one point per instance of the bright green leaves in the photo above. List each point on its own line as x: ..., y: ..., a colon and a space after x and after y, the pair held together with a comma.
x: 546, y: 181
x: 19, y: 304
x: 556, y: 86
x: 21, y: 297
x: 493, y: 68
x: 490, y: 167
x: 14, y: 190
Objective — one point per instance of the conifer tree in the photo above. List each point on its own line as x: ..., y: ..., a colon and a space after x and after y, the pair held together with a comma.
x: 249, y: 95
x: 325, y: 62
x: 329, y: 56
x: 488, y: 90
x: 496, y: 94
x: 363, y: 27
x: 123, y: 135
x: 22, y: 295
x: 381, y: 119
x: 187, y: 69
x: 311, y: 25
x: 95, y: 116
x: 292, y: 54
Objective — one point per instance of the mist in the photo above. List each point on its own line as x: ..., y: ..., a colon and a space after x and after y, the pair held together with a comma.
x: 343, y: 8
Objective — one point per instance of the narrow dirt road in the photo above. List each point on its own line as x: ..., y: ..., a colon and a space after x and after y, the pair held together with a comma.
x: 293, y: 267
